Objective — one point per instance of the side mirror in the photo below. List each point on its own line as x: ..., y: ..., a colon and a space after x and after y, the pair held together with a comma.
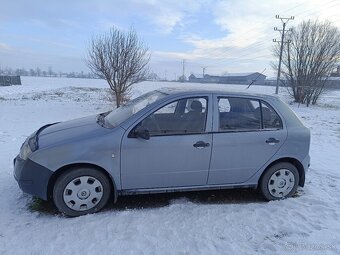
x: 142, y: 132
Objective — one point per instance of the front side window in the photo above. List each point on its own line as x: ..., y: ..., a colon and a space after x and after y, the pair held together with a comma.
x: 239, y: 114
x: 184, y: 116
x: 117, y: 116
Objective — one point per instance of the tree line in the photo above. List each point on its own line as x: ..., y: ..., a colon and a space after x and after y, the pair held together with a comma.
x: 39, y: 72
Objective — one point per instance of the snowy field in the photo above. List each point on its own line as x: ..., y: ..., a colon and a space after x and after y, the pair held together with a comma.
x: 211, y: 222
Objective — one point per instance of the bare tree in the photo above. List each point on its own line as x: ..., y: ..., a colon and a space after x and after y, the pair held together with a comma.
x: 308, y: 59
x: 121, y: 59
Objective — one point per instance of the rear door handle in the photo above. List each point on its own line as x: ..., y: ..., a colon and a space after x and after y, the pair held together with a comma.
x: 201, y: 145
x: 272, y: 141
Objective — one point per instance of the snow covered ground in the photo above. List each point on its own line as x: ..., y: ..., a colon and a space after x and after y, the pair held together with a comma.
x: 211, y: 222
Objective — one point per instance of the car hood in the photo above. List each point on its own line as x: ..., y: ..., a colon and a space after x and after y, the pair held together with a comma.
x: 72, y: 130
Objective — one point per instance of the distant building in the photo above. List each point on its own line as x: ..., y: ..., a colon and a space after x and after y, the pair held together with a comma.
x: 8, y: 80
x: 336, y: 73
x: 195, y: 78
x: 230, y: 78
x: 212, y: 78
x: 333, y: 82
x: 271, y: 81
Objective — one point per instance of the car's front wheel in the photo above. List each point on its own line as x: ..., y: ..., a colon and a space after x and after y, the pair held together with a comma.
x: 81, y: 191
x: 279, y: 181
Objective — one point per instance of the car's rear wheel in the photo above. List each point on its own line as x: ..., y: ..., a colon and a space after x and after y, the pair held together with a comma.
x: 81, y: 191
x: 279, y: 181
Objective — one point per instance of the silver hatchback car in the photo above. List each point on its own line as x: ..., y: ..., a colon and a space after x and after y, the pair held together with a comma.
x: 167, y: 140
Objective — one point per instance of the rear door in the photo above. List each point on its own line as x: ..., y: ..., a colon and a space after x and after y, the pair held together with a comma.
x: 247, y: 132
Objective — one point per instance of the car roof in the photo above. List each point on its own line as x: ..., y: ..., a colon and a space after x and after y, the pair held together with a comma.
x: 186, y: 91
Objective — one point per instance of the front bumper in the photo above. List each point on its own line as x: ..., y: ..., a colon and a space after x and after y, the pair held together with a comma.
x: 32, y: 177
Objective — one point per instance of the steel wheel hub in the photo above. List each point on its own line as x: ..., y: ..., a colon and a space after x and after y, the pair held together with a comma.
x: 281, y: 183
x: 83, y: 193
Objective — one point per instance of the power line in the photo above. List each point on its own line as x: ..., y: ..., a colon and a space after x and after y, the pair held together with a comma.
x: 249, y: 59
x: 318, y: 9
x: 252, y: 46
x: 258, y: 44
x: 298, y: 5
x: 290, y: 9
x: 241, y: 56
x: 269, y: 20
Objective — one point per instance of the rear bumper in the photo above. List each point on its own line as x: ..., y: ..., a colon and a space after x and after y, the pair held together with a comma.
x: 305, y: 163
x: 32, y: 178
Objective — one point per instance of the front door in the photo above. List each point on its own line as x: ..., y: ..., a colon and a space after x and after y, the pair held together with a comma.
x: 248, y: 132
x: 178, y: 151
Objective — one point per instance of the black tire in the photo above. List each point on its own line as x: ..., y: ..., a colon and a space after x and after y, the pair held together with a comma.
x: 71, y: 174
x: 266, y: 178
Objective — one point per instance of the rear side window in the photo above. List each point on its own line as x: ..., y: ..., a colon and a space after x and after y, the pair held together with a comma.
x: 245, y: 114
x: 271, y: 120
x: 239, y: 114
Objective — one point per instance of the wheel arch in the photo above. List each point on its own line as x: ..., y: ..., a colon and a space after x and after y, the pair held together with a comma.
x: 65, y: 168
x: 295, y: 162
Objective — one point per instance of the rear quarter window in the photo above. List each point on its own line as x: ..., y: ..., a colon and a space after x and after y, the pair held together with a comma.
x: 270, y: 118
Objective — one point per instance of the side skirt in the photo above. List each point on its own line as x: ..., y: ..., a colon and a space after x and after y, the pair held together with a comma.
x: 183, y: 189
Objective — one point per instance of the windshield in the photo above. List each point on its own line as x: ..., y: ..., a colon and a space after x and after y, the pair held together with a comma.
x: 118, y: 115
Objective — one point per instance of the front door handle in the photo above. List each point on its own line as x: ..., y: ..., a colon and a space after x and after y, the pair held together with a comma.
x: 201, y: 145
x: 272, y: 141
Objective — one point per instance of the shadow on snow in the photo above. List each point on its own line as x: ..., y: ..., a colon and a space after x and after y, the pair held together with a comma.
x: 228, y: 196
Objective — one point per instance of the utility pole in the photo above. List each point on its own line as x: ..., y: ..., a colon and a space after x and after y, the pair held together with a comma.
x: 183, y: 63
x: 203, y: 69
x: 282, y: 31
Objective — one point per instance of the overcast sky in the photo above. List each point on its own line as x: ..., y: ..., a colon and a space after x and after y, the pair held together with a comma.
x: 225, y: 36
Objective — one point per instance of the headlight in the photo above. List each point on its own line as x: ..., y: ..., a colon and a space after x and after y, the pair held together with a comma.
x: 28, y: 147
x: 32, y: 143
x: 25, y: 151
